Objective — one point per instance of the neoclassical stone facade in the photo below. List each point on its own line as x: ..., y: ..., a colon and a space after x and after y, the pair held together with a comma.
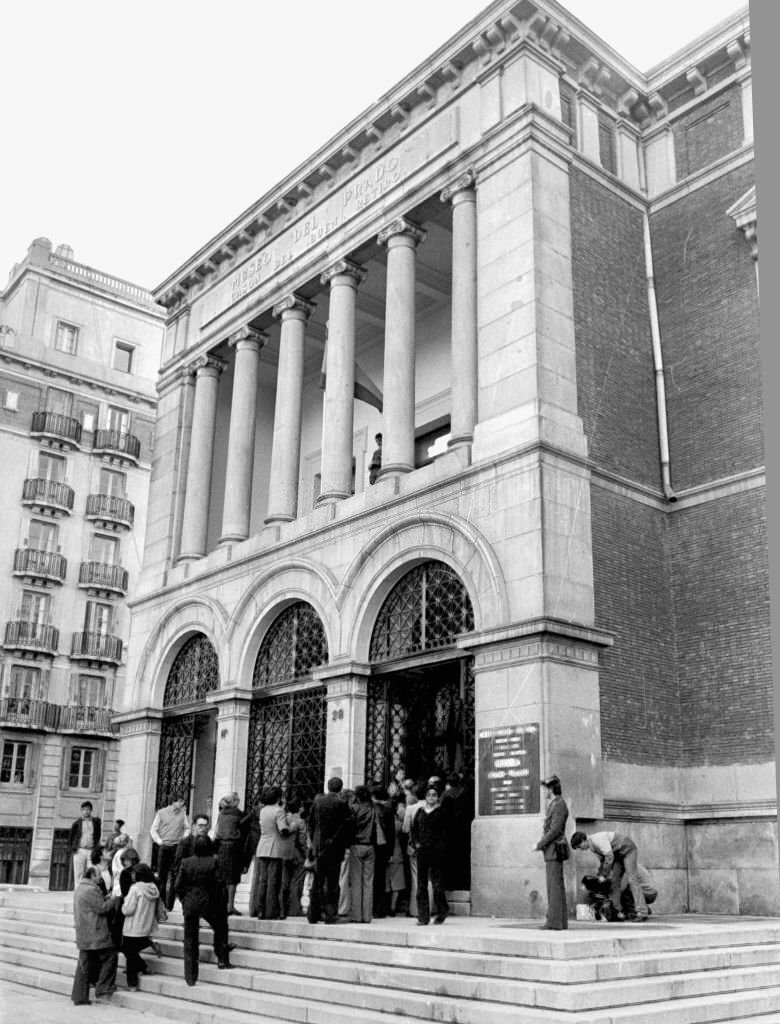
x: 507, y: 268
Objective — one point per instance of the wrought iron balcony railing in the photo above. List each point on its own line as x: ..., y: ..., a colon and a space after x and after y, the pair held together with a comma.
x: 99, y: 576
x: 80, y: 719
x: 109, y: 509
x: 126, y: 447
x: 40, y: 565
x: 48, y: 494
x: 22, y: 712
x: 96, y: 647
x: 21, y: 635
x: 55, y: 426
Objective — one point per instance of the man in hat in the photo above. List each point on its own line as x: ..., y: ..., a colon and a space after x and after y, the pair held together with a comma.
x: 555, y: 850
x: 619, y: 856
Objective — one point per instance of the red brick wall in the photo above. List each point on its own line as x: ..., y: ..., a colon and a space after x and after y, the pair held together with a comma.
x: 705, y: 283
x: 612, y: 330
x: 708, y: 131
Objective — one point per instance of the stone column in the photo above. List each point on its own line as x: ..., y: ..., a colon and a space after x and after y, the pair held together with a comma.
x: 139, y: 758
x: 241, y: 440
x: 401, y: 238
x: 286, y: 450
x: 233, y: 704
x: 345, y: 741
x: 463, y: 373
x: 338, y: 405
x: 198, y: 491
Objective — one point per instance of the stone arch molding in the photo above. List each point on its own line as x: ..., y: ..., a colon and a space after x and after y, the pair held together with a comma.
x: 395, y: 549
x: 300, y: 580
x: 195, y: 615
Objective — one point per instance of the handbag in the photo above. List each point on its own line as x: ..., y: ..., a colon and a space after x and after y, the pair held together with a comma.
x: 561, y: 849
x: 162, y: 912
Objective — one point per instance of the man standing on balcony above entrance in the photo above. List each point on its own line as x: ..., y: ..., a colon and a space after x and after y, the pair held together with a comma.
x: 169, y: 827
x: 84, y: 837
x: 376, y: 460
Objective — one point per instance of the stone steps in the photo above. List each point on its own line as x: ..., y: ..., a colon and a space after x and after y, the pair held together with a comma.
x: 681, y: 971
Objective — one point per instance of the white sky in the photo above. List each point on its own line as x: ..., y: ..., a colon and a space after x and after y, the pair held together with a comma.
x: 136, y: 131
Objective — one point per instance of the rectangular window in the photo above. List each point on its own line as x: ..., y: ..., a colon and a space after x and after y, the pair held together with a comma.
x: 98, y: 618
x: 15, y: 767
x: 11, y: 401
x: 88, y: 421
x: 91, y: 691
x: 112, y: 483
x: 59, y: 401
x: 24, y: 683
x: 66, y: 338
x: 104, y: 549
x: 82, y: 767
x: 118, y: 419
x: 42, y: 536
x: 431, y: 441
x: 51, y: 467
x: 123, y: 357
x: 35, y: 607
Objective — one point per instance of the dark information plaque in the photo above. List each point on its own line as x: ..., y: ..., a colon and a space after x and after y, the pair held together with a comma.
x: 509, y: 770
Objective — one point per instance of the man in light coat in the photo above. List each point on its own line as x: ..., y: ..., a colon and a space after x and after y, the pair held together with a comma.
x: 619, y: 856
x: 169, y: 827
x: 97, y: 955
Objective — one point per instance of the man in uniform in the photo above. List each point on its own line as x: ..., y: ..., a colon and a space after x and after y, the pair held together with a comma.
x: 552, y: 845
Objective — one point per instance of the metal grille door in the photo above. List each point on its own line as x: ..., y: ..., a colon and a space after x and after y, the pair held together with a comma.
x: 174, y: 776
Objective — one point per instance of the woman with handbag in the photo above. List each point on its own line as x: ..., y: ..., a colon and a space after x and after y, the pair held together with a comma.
x: 555, y: 848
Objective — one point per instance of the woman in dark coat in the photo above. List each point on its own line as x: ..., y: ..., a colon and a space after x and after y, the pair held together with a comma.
x: 230, y: 834
x: 429, y: 837
x: 553, y: 839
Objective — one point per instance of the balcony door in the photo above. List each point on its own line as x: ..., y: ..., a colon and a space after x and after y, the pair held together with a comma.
x: 98, y: 618
x: 51, y: 467
x: 42, y: 536
x: 35, y: 608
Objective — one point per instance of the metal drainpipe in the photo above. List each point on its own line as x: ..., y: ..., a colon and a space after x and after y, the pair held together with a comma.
x: 658, y: 367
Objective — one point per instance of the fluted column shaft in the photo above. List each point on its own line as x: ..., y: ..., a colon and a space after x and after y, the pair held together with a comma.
x: 401, y: 238
x: 198, y: 488
x: 241, y: 438
x: 463, y: 409
x: 338, y: 405
x: 286, y: 448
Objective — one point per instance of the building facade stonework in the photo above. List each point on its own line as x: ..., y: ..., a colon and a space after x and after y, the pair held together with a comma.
x: 529, y: 267
x: 79, y: 350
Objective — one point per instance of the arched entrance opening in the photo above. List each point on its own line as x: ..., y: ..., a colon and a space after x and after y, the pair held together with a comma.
x: 420, y: 713
x: 188, y: 737
x: 288, y: 717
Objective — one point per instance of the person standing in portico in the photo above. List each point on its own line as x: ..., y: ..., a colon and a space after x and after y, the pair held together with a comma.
x: 552, y: 842
x: 376, y: 460
x: 84, y: 838
x: 169, y: 827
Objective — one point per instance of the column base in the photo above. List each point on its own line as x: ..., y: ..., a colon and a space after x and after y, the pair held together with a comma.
x: 332, y: 496
x: 282, y: 517
x: 189, y: 557
x: 231, y: 538
x: 394, y: 467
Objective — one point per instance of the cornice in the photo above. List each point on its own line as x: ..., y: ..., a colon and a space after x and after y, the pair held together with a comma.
x: 682, y: 814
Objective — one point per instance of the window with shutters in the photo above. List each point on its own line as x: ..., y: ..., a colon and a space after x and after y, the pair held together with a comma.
x: 24, y: 683
x: 42, y: 536
x: 112, y: 483
x: 35, y: 607
x: 66, y: 338
x: 83, y: 768
x: 51, y: 467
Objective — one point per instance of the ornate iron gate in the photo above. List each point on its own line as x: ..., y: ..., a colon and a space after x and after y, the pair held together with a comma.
x: 61, y: 868
x: 174, y: 774
x: 287, y: 744
x: 421, y: 720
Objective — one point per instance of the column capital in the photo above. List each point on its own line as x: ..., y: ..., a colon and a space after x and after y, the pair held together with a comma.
x: 247, y: 336
x: 402, y: 226
x: 344, y: 268
x: 464, y: 183
x: 294, y: 306
x: 206, y: 365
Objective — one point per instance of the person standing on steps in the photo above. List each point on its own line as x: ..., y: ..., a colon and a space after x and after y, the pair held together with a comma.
x: 140, y: 919
x: 329, y: 826
x: 429, y: 837
x: 97, y: 956
x: 84, y: 838
x: 202, y: 896
x: 555, y: 850
x: 169, y: 827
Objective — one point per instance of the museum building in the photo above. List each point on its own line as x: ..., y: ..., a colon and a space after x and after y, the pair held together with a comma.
x: 533, y: 270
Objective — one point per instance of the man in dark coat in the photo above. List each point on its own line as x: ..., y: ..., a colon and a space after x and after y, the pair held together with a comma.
x: 551, y: 844
x: 84, y: 838
x: 384, y: 843
x: 97, y: 956
x: 202, y: 896
x: 329, y: 835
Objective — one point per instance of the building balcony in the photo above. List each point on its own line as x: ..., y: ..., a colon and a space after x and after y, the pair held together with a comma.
x: 97, y: 647
x: 48, y: 496
x: 116, y: 445
x: 23, y: 713
x: 60, y: 431
x: 34, y: 637
x: 99, y: 576
x: 109, y: 511
x: 40, y: 566
x: 74, y: 718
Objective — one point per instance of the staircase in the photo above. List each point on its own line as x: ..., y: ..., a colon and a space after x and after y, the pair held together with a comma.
x: 672, y: 970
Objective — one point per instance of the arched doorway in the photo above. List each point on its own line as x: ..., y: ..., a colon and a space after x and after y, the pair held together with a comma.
x: 287, y: 726
x: 420, y: 714
x: 188, y: 737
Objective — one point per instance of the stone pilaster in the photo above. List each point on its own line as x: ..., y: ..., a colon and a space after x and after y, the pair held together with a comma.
x: 541, y: 674
x: 401, y: 238
x: 338, y: 406
x: 139, y: 757
x: 627, y: 154
x: 241, y: 439
x: 198, y: 490
x: 345, y: 743
x: 286, y: 450
x: 463, y: 374
x: 233, y: 705
x: 660, y: 163
x: 588, y: 134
